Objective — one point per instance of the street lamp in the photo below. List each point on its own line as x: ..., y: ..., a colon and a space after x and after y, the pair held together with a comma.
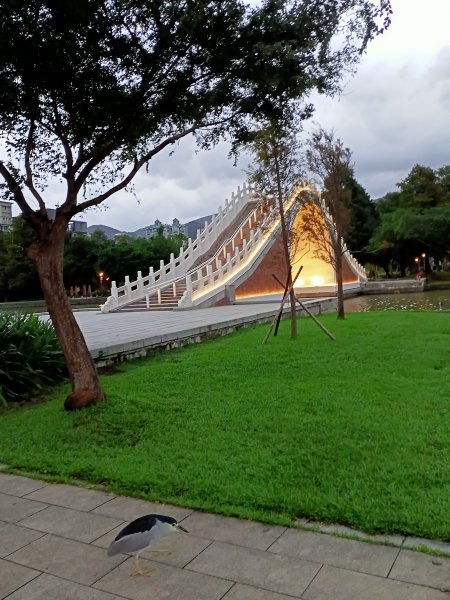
x: 424, y: 257
x: 101, y: 275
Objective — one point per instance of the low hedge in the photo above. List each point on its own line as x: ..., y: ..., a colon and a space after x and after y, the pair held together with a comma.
x: 31, y: 358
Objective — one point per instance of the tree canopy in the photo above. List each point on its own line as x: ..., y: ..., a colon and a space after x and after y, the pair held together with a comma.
x: 91, y: 90
x: 415, y: 219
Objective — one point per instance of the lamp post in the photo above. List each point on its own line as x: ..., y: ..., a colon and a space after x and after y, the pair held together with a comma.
x: 101, y: 275
x: 423, y: 257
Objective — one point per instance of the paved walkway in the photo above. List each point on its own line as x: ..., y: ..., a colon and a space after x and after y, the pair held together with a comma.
x: 136, y: 333
x: 53, y: 539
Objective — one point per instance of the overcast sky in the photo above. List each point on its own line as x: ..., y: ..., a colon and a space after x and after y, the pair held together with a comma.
x: 394, y: 113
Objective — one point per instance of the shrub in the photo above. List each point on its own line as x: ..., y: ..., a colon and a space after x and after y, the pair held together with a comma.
x: 30, y: 357
x: 440, y: 276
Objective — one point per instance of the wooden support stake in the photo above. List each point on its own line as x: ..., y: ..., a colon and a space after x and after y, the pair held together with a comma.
x: 286, y: 287
x: 322, y: 327
x: 280, y: 310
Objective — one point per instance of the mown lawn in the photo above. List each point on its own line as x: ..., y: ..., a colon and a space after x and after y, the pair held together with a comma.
x: 355, y: 431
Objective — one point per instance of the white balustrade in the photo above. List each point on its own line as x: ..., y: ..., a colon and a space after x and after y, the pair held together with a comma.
x: 212, y: 273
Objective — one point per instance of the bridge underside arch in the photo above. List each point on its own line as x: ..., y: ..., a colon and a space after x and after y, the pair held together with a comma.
x: 317, y: 277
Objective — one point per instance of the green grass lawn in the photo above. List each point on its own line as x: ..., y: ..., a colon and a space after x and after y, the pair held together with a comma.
x: 355, y: 431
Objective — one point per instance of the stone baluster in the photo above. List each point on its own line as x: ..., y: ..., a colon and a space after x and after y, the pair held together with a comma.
x: 209, y: 274
x: 229, y: 264
x: 189, y: 284
x: 140, y: 283
x: 127, y: 286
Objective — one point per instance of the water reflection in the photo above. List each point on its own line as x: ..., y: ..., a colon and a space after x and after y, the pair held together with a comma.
x: 432, y: 300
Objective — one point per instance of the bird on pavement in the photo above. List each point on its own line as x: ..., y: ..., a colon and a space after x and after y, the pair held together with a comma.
x: 142, y: 532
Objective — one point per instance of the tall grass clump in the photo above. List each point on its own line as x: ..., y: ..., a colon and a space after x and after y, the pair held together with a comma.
x: 30, y: 357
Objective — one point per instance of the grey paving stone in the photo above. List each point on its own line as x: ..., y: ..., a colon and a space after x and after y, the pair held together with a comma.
x: 13, y: 577
x: 236, y: 531
x: 13, y: 537
x: 17, y: 485
x: 72, y: 560
x: 70, y: 496
x: 245, y: 592
x: 81, y: 526
x: 14, y: 509
x: 344, y: 531
x: 128, y: 509
x: 339, y: 584
x: 181, y: 547
x: 339, y: 552
x: 162, y: 582
x: 416, y: 542
x: 48, y: 587
x: 268, y: 571
x: 423, y: 569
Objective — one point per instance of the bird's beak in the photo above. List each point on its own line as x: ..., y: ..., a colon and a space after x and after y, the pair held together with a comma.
x: 177, y: 526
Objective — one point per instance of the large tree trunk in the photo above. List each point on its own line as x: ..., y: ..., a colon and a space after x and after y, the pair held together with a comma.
x: 340, y: 287
x: 47, y: 256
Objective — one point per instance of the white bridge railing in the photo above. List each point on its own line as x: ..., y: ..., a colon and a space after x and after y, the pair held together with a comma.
x: 177, y: 267
x: 216, y: 272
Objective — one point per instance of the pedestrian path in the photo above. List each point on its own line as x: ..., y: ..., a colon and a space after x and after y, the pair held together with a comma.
x: 135, y: 334
x: 53, y: 541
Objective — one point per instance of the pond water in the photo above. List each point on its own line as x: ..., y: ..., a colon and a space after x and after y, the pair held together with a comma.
x: 432, y: 300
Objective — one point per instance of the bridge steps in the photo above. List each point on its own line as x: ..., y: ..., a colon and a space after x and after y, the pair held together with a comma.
x: 234, y: 236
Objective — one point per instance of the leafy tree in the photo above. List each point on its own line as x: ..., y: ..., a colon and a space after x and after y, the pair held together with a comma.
x: 420, y: 189
x: 330, y: 162
x: 81, y: 256
x: 275, y: 174
x: 363, y: 220
x: 414, y: 220
x: 126, y: 255
x: 91, y: 90
x: 18, y: 277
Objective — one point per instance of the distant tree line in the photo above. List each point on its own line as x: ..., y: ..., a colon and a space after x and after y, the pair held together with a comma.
x: 404, y: 229
x: 85, y: 257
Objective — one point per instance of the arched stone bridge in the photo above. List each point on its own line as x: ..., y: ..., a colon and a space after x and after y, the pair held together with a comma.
x: 235, y: 257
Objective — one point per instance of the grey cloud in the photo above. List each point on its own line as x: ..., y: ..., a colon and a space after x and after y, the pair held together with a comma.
x: 393, y: 118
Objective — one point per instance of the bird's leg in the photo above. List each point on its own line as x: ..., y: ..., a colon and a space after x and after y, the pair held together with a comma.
x: 160, y: 551
x: 138, y: 569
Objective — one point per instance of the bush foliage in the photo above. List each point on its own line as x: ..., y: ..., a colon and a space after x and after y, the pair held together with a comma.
x: 30, y: 357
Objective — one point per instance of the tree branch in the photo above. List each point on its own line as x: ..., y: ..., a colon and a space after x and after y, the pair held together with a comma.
x: 15, y: 190
x: 137, y: 165
x: 29, y: 173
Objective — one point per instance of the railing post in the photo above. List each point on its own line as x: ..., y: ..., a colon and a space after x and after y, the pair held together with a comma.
x: 151, y: 276
x: 209, y: 273
x: 114, y: 293
x: 162, y: 270
x: 189, y: 284
x: 127, y: 286
x: 140, y: 283
x: 229, y: 265
x: 158, y: 295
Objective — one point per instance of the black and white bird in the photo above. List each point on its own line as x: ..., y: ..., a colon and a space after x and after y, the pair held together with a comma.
x: 142, y: 532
